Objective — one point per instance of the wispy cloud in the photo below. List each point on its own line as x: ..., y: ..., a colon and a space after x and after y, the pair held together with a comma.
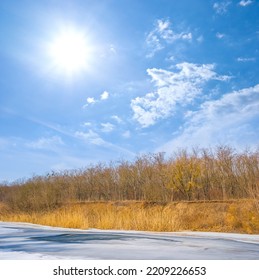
x: 246, y: 59
x: 163, y: 34
x: 172, y: 89
x: 126, y: 134
x: 220, y: 35
x: 221, y: 7
x: 244, y: 3
x: 112, y: 49
x: 200, y: 39
x: 107, y: 127
x: 87, y: 124
x: 117, y: 119
x: 90, y: 137
x: 221, y: 121
x: 53, y: 126
x: 46, y: 143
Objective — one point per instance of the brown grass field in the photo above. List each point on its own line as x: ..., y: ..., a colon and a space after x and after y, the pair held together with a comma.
x: 218, y: 216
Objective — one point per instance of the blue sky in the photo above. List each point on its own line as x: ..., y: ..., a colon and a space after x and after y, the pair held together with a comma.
x: 153, y: 76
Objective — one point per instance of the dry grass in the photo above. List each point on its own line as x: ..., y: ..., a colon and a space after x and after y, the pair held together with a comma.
x: 232, y: 216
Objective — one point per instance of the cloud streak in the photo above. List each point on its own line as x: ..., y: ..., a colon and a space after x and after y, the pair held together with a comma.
x: 246, y: 59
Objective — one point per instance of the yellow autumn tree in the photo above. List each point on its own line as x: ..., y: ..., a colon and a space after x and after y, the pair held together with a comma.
x: 184, y: 173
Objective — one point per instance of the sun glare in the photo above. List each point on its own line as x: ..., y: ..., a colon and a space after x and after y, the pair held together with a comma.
x: 69, y: 51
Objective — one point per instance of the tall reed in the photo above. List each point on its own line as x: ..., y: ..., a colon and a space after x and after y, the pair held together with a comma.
x: 232, y: 216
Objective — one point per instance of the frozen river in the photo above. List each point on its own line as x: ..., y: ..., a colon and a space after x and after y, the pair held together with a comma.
x: 27, y: 241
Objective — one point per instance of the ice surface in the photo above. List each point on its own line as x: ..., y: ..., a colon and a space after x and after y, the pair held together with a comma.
x: 27, y: 241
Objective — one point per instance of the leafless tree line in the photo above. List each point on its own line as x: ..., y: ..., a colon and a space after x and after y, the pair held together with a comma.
x: 202, y: 174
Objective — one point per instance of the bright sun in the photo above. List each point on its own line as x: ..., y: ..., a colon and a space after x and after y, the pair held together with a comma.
x: 69, y: 51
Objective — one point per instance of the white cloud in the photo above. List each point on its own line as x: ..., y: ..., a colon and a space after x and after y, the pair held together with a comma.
x: 107, y: 127
x: 105, y: 95
x: 221, y: 7
x: 244, y: 3
x: 90, y: 100
x: 163, y: 25
x: 90, y: 137
x: 46, y: 143
x: 223, y: 121
x: 162, y: 34
x: 220, y: 35
x: 172, y: 89
x: 187, y: 36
